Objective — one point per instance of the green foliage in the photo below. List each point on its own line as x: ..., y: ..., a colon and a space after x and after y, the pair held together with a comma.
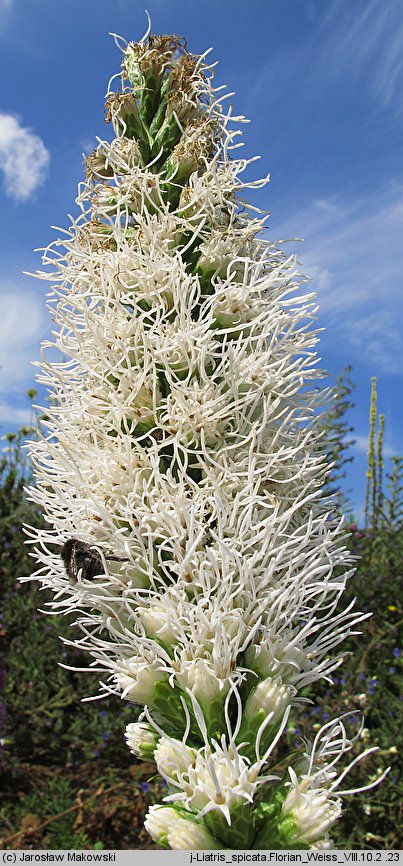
x: 395, y: 493
x: 41, y: 714
x: 55, y: 801
x: 336, y: 439
x: 77, y: 809
x: 383, y: 501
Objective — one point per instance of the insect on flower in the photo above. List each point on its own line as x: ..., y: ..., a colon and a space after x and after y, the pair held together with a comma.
x: 78, y: 557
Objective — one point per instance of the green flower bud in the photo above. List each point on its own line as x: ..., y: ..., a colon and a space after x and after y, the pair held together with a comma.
x: 171, y: 828
x: 139, y: 681
x: 141, y: 740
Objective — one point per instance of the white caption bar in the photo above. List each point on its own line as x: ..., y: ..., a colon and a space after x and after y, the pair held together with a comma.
x: 188, y: 858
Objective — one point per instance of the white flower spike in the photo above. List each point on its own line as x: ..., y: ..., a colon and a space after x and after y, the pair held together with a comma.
x: 181, y: 457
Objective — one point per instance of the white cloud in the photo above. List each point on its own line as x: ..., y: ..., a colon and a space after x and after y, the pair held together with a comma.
x: 366, y: 39
x: 24, y: 159
x: 359, y: 44
x: 361, y: 445
x: 87, y: 145
x: 377, y: 338
x: 23, y: 324
x: 353, y: 252
x: 10, y: 414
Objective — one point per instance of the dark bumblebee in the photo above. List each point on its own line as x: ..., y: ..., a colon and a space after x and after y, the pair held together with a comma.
x: 79, y: 556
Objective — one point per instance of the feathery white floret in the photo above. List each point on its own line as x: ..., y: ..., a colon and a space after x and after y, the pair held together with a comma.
x: 182, y: 445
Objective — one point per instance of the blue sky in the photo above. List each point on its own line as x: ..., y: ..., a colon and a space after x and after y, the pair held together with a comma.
x: 322, y: 83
